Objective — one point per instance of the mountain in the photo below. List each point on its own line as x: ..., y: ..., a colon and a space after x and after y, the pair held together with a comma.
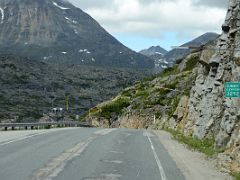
x: 156, y: 53
x: 51, y: 50
x: 153, y: 50
x: 164, y: 59
x: 57, y: 31
x: 176, y: 54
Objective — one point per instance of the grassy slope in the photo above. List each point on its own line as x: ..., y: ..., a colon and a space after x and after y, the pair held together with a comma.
x: 149, y: 96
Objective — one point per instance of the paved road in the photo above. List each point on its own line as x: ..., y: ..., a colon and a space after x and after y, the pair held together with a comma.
x: 85, y: 154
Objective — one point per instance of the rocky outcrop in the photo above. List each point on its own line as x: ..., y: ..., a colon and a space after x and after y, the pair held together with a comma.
x: 181, y: 112
x: 210, y: 114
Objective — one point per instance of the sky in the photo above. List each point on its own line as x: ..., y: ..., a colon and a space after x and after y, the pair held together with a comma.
x: 139, y: 24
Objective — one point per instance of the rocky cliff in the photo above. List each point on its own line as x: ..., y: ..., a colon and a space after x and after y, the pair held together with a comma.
x: 209, y: 113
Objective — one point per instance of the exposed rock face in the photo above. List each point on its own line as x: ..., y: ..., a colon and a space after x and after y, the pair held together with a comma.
x: 210, y: 113
x: 55, y: 30
x: 181, y: 112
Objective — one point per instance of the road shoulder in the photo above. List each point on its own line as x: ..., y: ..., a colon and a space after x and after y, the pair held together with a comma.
x: 193, y: 165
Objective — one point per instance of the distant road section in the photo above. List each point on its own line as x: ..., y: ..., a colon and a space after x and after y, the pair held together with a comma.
x: 85, y: 154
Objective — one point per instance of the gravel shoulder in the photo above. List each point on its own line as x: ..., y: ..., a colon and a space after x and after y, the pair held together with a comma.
x: 194, y: 165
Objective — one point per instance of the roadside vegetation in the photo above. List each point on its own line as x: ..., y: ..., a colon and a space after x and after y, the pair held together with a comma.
x: 205, y: 146
x: 114, y: 107
x: 235, y: 175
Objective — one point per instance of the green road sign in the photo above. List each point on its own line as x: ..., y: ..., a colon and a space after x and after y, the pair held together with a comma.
x: 232, y: 90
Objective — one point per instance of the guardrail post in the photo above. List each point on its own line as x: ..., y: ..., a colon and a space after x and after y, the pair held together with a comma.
x: 32, y: 126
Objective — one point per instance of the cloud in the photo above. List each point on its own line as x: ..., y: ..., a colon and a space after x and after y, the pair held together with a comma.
x: 149, y: 19
x: 153, y: 18
x: 212, y: 3
x: 107, y: 3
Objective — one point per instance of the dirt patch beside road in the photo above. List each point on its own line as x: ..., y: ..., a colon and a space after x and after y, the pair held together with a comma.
x: 194, y: 165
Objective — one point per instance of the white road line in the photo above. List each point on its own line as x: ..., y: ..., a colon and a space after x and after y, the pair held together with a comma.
x: 23, y: 138
x: 138, y: 173
x: 30, y: 136
x: 160, y: 167
x: 117, y: 152
x: 104, y: 131
x: 57, y: 165
x: 114, y: 161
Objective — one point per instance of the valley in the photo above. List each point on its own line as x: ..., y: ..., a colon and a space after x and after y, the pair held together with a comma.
x: 30, y: 89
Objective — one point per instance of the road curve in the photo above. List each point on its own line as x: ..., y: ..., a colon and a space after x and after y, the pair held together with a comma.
x: 85, y: 154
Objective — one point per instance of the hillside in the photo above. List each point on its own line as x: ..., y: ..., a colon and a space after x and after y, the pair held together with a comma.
x: 56, y: 31
x: 30, y: 88
x: 136, y: 106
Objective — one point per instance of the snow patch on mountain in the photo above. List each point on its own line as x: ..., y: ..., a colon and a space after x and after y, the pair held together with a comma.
x: 63, y: 8
x: 73, y: 21
x: 2, y: 12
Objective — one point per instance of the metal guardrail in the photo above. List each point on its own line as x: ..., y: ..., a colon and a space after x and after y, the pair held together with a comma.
x: 43, y: 124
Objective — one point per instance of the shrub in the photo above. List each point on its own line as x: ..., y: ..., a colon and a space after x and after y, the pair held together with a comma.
x: 173, y: 106
x: 158, y: 114
x: 237, y: 61
x: 114, y: 107
x: 236, y: 175
x: 172, y: 85
x: 191, y: 63
x: 20, y: 79
x: 169, y: 71
x: 178, y: 61
x: 127, y: 93
x: 141, y: 93
x: 150, y: 78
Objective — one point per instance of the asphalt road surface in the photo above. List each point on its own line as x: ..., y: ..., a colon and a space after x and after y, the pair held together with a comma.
x: 85, y: 154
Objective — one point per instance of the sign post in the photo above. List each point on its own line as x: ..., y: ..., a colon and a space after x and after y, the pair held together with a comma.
x: 232, y: 90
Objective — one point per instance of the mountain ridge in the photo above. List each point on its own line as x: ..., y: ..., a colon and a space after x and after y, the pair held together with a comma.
x: 60, y: 32
x: 153, y: 50
x: 177, y: 54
